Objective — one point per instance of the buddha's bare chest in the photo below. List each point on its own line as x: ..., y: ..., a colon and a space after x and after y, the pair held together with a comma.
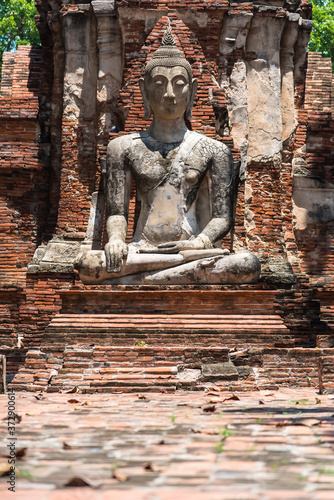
x: 153, y: 168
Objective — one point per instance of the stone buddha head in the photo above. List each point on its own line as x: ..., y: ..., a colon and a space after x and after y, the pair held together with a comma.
x: 168, y: 87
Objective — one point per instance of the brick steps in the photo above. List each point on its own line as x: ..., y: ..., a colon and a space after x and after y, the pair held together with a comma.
x: 117, y: 320
x: 160, y: 329
x: 186, y: 338
x: 88, y: 324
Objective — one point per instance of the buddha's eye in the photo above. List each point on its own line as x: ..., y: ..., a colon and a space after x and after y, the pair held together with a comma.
x: 180, y: 83
x: 158, y: 83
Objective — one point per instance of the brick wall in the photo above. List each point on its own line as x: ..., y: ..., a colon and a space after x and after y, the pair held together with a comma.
x: 315, y: 242
x: 23, y: 179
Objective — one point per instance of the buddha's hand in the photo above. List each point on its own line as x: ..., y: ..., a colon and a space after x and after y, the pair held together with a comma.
x: 178, y: 246
x: 116, y: 251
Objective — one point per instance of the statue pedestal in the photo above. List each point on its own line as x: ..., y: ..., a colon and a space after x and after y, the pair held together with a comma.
x: 219, y: 316
x: 152, y: 338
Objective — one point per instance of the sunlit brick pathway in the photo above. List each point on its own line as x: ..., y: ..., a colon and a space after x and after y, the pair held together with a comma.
x: 275, y: 445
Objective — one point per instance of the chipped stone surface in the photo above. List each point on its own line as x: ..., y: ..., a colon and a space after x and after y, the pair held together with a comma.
x: 188, y: 374
x: 288, y: 43
x: 221, y: 371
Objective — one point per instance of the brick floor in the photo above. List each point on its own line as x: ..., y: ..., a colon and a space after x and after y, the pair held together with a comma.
x: 268, y: 445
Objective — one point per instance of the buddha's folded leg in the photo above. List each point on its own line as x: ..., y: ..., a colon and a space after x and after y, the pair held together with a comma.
x: 92, y: 265
x: 171, y: 269
x: 239, y: 268
x: 93, y: 269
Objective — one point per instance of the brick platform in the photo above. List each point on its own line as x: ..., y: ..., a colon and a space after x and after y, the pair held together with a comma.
x: 128, y: 339
x: 146, y: 339
x: 189, y: 317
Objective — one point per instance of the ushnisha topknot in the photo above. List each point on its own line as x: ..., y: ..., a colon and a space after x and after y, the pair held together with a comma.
x: 168, y: 38
x: 168, y: 55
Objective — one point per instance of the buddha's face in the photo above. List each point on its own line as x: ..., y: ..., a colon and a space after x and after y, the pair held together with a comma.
x: 168, y: 92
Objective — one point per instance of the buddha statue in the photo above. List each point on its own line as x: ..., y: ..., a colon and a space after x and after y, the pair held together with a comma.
x: 185, y: 184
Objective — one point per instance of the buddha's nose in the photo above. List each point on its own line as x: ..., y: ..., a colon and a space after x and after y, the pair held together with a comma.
x: 169, y: 90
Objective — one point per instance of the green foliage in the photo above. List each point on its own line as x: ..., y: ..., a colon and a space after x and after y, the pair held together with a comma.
x: 324, y: 470
x: 219, y: 447
x: 322, y: 36
x: 225, y: 432
x: 17, y: 25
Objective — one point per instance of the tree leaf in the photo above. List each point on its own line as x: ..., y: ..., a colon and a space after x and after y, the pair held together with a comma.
x: 309, y: 422
x: 284, y: 423
x: 209, y: 409
x: 119, y: 475
x: 234, y: 397
x: 21, y: 452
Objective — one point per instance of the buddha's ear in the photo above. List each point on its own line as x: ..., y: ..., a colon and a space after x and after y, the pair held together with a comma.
x: 147, y: 108
x: 192, y: 98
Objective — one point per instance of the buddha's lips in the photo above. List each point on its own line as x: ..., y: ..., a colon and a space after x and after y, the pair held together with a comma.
x: 170, y: 107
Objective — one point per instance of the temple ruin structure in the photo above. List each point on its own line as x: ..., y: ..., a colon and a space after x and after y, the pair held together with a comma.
x: 261, y: 94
